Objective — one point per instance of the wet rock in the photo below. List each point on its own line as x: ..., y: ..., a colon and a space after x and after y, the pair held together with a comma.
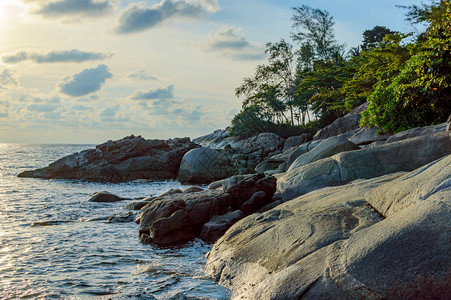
x: 192, y: 189
x: 126, y: 217
x: 104, y: 197
x: 127, y: 159
x: 177, y: 218
x: 218, y: 225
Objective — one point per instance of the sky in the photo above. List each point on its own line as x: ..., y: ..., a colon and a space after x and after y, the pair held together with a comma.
x: 86, y: 71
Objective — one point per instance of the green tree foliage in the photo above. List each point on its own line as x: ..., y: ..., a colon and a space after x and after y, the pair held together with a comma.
x: 314, y: 27
x: 373, y: 37
x: 420, y: 94
x: 377, y: 65
x: 323, y: 88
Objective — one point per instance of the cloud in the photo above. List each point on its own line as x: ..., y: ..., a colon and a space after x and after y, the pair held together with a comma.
x: 160, y: 93
x: 110, y: 111
x: 42, y: 107
x: 7, y: 78
x: 141, y: 75
x: 80, y: 107
x: 137, y: 17
x: 86, y: 82
x: 229, y: 41
x: 64, y: 8
x: 73, y: 55
x: 3, y: 114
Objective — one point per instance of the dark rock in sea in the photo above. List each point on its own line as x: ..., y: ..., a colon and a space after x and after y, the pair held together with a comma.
x: 126, y: 217
x: 177, y: 218
x: 204, y: 165
x: 104, y: 197
x: 123, y: 160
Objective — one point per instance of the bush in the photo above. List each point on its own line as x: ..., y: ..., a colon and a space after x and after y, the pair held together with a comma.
x: 250, y: 122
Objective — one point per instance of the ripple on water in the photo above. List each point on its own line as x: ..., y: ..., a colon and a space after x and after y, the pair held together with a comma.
x: 55, y: 244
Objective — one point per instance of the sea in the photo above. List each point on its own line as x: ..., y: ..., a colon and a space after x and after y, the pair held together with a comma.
x: 54, y: 244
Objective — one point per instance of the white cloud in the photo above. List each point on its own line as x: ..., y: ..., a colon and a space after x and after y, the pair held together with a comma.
x: 231, y: 43
x: 86, y: 82
x: 73, y: 55
x: 138, y: 17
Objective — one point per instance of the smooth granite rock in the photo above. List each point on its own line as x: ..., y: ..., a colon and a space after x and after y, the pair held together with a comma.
x: 332, y: 244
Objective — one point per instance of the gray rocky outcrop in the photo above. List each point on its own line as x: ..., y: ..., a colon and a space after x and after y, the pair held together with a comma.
x: 414, y: 132
x: 296, y: 141
x: 325, y: 148
x: 381, y: 238
x: 365, y: 136
x: 347, y: 124
x: 176, y: 218
x: 405, y: 155
x: 244, y: 153
x: 204, y: 165
x: 304, y: 148
x: 123, y: 160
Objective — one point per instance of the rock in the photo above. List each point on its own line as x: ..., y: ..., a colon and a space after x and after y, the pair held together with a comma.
x: 342, y: 125
x: 392, y: 197
x: 330, y: 244
x: 204, y: 165
x: 367, y: 135
x: 177, y: 218
x: 215, y: 185
x: 218, y: 225
x: 192, y: 189
x: 304, y: 148
x: 244, y: 154
x: 122, y: 218
x: 137, y: 205
x: 127, y: 159
x: 171, y: 192
x: 325, y: 148
x: 405, y: 155
x: 417, y: 132
x: 296, y: 141
x: 269, y: 164
x: 448, y: 124
x: 104, y: 197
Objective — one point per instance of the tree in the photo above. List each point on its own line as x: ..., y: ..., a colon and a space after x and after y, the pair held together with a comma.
x: 274, y: 85
x: 420, y: 94
x: 315, y: 28
x: 373, y: 37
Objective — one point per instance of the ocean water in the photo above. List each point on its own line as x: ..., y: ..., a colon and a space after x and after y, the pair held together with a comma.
x: 54, y: 244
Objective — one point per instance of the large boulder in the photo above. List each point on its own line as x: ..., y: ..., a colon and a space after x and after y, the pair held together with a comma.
x: 296, y: 141
x: 204, y: 165
x: 176, y: 218
x: 326, y: 148
x: 414, y: 132
x: 302, y: 149
x: 244, y: 153
x: 123, y: 160
x: 104, y: 197
x: 331, y: 244
x: 405, y: 155
x: 367, y: 135
x: 347, y: 124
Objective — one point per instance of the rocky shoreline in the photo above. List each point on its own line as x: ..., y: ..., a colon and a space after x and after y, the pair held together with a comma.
x: 345, y: 214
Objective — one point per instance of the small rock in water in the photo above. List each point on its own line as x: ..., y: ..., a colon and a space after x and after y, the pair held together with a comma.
x: 104, y: 197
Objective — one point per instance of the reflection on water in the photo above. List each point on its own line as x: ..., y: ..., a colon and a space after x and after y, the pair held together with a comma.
x: 54, y: 244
